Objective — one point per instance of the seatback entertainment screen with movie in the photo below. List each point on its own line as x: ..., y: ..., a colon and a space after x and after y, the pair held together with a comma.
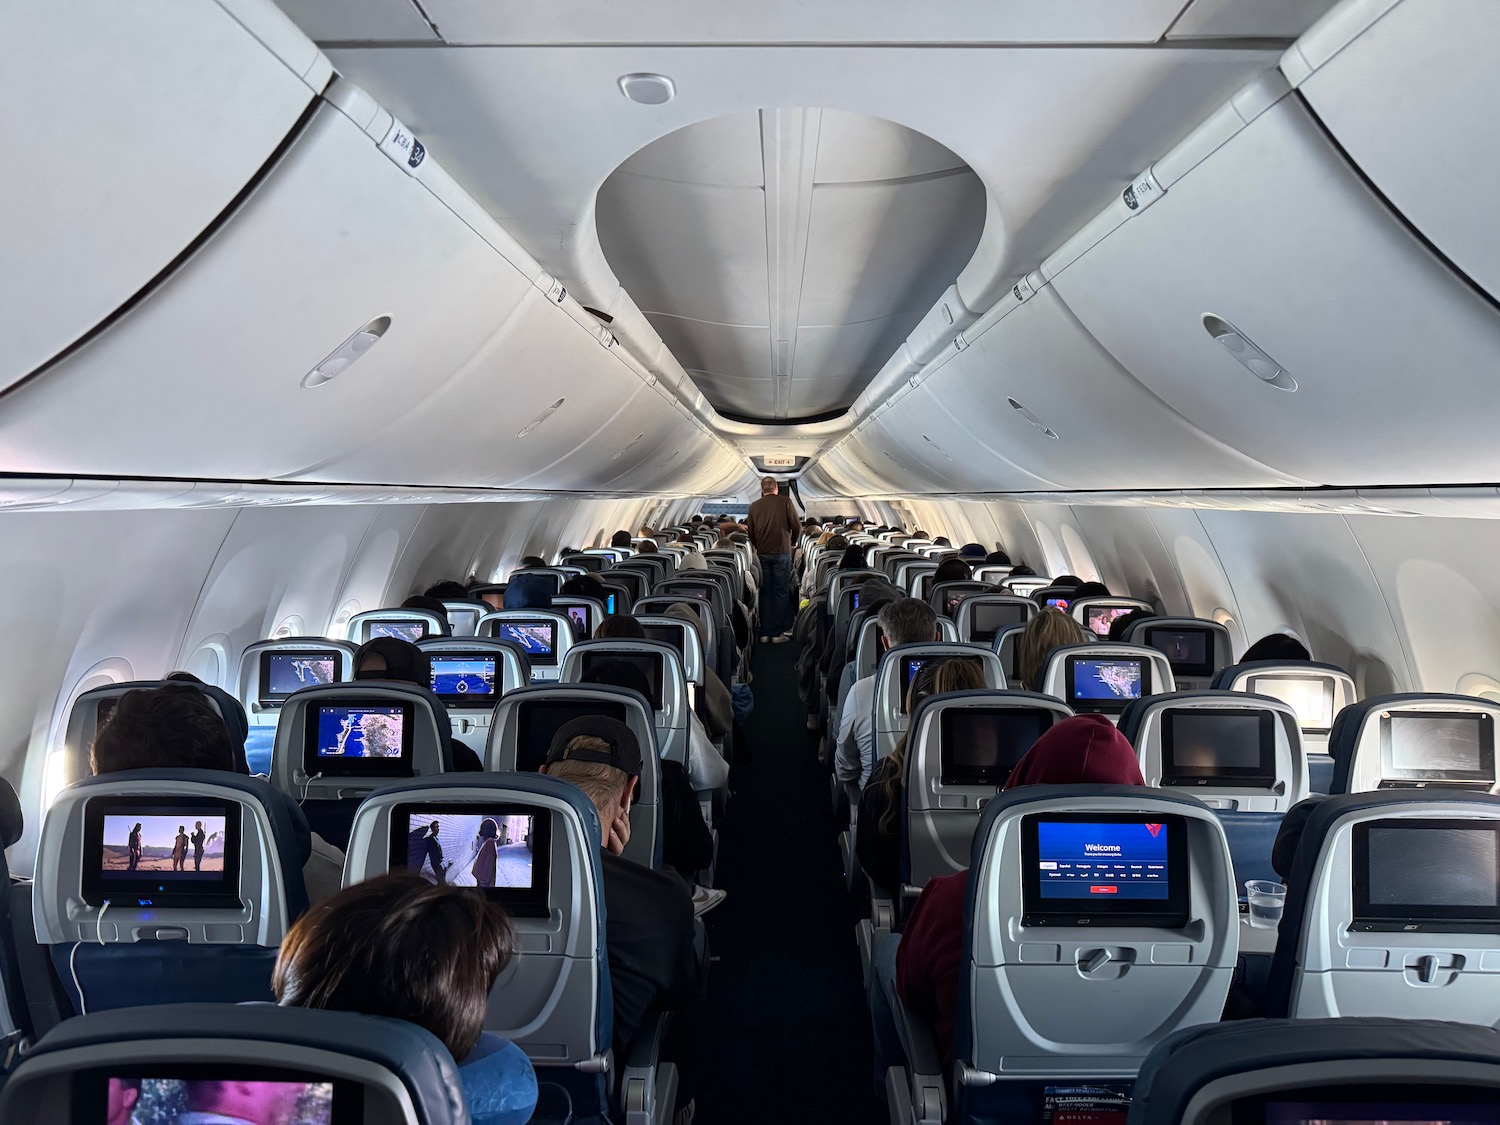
x: 1098, y: 618
x: 1218, y: 746
x: 1426, y: 874
x: 162, y: 851
x: 579, y: 616
x: 500, y: 848
x: 168, y: 1093
x: 284, y: 671
x: 1108, y: 869
x: 359, y: 739
x: 1105, y: 684
x: 1437, y: 747
x: 980, y: 746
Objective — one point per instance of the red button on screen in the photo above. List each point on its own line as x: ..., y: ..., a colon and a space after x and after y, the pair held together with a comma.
x: 1106, y: 890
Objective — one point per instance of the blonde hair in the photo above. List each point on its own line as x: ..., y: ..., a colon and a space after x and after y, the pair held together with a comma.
x: 1050, y: 629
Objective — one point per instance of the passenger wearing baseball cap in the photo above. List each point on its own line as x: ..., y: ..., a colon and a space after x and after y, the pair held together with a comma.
x: 657, y: 961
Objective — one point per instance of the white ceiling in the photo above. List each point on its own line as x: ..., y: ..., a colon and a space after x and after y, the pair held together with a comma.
x: 784, y: 254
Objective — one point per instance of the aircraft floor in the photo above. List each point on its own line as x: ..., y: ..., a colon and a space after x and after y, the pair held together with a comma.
x: 786, y: 1034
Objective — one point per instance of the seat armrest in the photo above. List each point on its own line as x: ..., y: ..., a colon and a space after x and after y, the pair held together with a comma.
x: 648, y: 1086
x: 926, y: 1090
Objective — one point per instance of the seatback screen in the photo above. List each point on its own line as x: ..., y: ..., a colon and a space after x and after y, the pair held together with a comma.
x: 212, y: 1092
x: 1437, y: 746
x: 912, y: 665
x: 162, y: 852
x: 1311, y: 698
x: 1112, y: 869
x: 537, y: 639
x: 673, y: 635
x: 1098, y: 618
x: 1422, y: 1104
x: 1426, y: 874
x: 284, y: 671
x: 986, y: 619
x: 648, y: 663
x: 1218, y: 746
x: 403, y: 630
x: 465, y: 679
x: 359, y: 739
x: 579, y: 616
x: 1190, y: 651
x: 1105, y: 684
x: 499, y: 847
x: 980, y: 746
x: 539, y: 721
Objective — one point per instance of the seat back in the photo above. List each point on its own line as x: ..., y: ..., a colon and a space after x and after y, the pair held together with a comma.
x: 93, y: 707
x: 526, y: 719
x: 899, y: 665
x: 491, y: 594
x: 961, y: 748
x: 161, y: 886
x: 844, y: 578
x: 1391, y: 910
x: 469, y: 674
x: 909, y: 569
x: 1196, y: 648
x: 463, y: 616
x: 654, y: 567
x: 555, y: 575
x: 994, y: 573
x: 407, y: 624
x: 1414, y: 741
x: 1004, y: 645
x: 272, y: 670
x: 1025, y: 585
x: 544, y: 869
x: 543, y: 635
x: 686, y: 640
x: 637, y: 582
x: 1103, y: 678
x: 704, y: 589
x: 1319, y: 1070
x: 585, y: 560
x: 1060, y: 981
x: 344, y: 1065
x: 1099, y: 613
x: 1316, y: 691
x: 867, y: 646
x: 1055, y: 597
x: 981, y: 617
x: 945, y: 597
x: 662, y: 667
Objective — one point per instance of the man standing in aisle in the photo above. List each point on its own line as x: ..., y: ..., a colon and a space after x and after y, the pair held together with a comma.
x: 774, y: 529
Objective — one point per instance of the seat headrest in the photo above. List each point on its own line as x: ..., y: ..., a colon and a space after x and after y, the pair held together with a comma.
x: 12, y: 822
x: 1226, y: 676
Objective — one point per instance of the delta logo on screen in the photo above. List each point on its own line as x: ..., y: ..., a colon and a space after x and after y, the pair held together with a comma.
x: 1154, y: 829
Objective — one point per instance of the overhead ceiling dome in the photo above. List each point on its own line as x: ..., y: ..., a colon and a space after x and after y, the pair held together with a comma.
x: 783, y: 255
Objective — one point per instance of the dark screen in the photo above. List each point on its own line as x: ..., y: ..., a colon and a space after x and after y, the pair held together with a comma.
x: 1428, y: 864
x: 1439, y: 745
x: 668, y: 635
x: 1218, y: 746
x: 987, y: 618
x: 649, y: 663
x: 981, y: 747
x: 1187, y: 650
x: 539, y: 721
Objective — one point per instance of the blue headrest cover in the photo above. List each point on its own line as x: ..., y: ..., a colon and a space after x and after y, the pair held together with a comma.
x: 413, y: 1054
x: 1188, y: 1060
x: 539, y: 784
x: 1344, y: 736
x: 288, y: 825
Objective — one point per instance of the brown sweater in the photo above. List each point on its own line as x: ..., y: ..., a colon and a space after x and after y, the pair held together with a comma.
x: 773, y: 525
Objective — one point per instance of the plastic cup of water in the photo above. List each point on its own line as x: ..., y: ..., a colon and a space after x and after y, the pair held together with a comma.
x: 1266, y: 900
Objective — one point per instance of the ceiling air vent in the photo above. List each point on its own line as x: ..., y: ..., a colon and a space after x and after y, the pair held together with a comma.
x: 1030, y: 417
x: 1246, y: 354
x: 540, y: 418
x: 648, y: 89
x: 342, y: 357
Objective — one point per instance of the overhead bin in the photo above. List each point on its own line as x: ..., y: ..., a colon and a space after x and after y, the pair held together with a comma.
x: 1409, y: 90
x: 142, y: 123
x: 1272, y: 234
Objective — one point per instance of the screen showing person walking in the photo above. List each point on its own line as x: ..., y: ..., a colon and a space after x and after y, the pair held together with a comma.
x: 161, y: 851
x: 502, y: 849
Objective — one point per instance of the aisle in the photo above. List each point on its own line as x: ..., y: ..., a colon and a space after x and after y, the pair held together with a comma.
x: 787, y: 1031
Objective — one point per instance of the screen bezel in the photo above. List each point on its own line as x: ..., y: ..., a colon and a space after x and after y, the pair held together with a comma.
x: 312, y: 764
x: 590, y: 706
x: 1171, y: 915
x: 677, y: 639
x: 1115, y: 611
x: 222, y: 894
x: 1372, y: 917
x: 465, y: 701
x: 527, y: 902
x: 368, y: 624
x: 948, y: 774
x: 1257, y: 686
x: 266, y: 697
x: 586, y: 630
x: 1102, y: 706
x: 655, y: 679
x: 1262, y: 776
x: 535, y: 659
x: 1196, y: 669
x: 976, y: 633
x: 90, y: 1086
x: 1486, y: 772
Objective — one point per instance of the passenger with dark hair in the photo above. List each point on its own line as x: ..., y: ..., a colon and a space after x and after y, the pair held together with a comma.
x: 774, y: 528
x: 687, y: 844
x: 657, y: 954
x: 1049, y: 629
x: 528, y: 591
x: 998, y: 558
x: 942, y: 541
x: 1021, y: 570
x: 620, y: 539
x: 716, y: 704
x: 1119, y: 625
x: 853, y: 558
x: 1277, y: 646
x: 400, y: 947
x: 531, y: 562
x: 973, y: 552
x: 1090, y: 590
x: 588, y: 585
x: 1068, y: 581
x: 903, y: 622
x: 176, y: 727
x: 431, y: 605
x: 647, y: 547
x: 924, y: 961
x: 447, y: 591
x: 391, y: 658
x: 952, y: 570
x: 620, y: 627
x: 229, y: 709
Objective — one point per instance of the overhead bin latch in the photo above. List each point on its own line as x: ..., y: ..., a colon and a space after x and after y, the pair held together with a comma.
x: 1022, y: 290
x: 402, y: 146
x: 1143, y: 191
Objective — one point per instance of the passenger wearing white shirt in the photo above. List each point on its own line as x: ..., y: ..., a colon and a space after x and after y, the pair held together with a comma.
x: 906, y: 622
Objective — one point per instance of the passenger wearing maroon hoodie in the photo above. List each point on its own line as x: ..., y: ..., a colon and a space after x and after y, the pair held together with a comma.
x: 1083, y: 750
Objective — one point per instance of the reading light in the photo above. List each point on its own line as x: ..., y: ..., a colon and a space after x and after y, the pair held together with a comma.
x: 1250, y: 357
x: 647, y: 89
x: 336, y: 363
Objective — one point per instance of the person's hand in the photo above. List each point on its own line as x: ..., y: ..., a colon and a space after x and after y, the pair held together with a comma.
x: 619, y: 832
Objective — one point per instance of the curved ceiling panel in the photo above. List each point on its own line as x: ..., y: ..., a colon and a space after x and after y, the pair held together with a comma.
x: 784, y: 254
